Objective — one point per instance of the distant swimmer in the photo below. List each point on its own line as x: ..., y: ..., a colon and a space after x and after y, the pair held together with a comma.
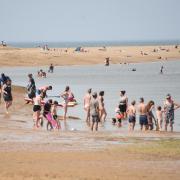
x: 134, y: 69
x: 7, y: 95
x: 161, y: 70
x: 51, y: 68
x: 107, y: 61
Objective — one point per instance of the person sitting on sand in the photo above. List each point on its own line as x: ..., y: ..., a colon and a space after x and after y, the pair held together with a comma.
x: 7, y: 95
x: 87, y: 100
x: 31, y: 87
x: 131, y: 111
x: 143, y: 121
x: 169, y: 107
x: 44, y: 90
x: 94, y: 109
x: 102, y: 110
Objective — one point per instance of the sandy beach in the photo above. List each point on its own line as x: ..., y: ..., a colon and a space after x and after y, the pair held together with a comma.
x: 26, y: 153
x: 10, y: 56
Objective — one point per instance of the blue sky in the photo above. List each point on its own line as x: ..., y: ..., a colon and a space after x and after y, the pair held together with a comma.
x: 89, y: 20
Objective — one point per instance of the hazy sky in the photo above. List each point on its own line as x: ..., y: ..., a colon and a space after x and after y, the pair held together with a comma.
x: 89, y: 20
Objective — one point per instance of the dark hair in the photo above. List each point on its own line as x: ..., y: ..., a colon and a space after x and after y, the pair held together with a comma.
x: 50, y: 101
x: 67, y: 88
x: 89, y: 90
x: 133, y: 102
x: 159, y: 108
x: 50, y: 87
x: 141, y: 99
x: 55, y: 102
x: 123, y: 92
x: 101, y: 93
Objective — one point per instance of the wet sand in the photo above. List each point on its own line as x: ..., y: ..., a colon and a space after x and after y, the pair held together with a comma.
x: 10, y: 56
x: 26, y: 153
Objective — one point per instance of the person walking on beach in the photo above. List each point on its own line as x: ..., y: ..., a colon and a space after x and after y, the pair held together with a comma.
x: 102, y: 110
x: 94, y: 110
x: 7, y: 95
x: 131, y: 111
x: 143, y: 121
x: 87, y: 100
x: 123, y: 103
x: 31, y: 87
x: 51, y: 68
x: 169, y: 107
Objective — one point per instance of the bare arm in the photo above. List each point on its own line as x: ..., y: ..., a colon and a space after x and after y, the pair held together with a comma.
x: 177, y: 106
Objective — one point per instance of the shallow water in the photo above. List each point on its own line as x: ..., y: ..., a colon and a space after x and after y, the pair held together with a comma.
x: 145, y: 82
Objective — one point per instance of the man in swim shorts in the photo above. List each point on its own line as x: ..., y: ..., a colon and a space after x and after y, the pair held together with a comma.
x: 143, y: 121
x: 94, y: 110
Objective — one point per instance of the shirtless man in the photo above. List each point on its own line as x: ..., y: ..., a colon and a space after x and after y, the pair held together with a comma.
x: 132, y: 115
x: 87, y: 100
x: 143, y: 121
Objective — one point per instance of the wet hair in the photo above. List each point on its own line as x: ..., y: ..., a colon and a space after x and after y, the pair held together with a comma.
x: 101, y: 93
x: 94, y: 95
x: 50, y: 101
x: 55, y: 102
x: 89, y: 90
x: 67, y: 88
x: 159, y: 108
x: 113, y: 120
x: 50, y: 87
x: 133, y: 102
x: 141, y: 99
x: 123, y: 92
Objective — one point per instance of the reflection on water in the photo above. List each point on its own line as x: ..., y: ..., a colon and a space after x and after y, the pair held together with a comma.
x: 144, y: 82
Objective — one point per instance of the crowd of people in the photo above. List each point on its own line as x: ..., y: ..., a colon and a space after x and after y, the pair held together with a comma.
x: 94, y: 107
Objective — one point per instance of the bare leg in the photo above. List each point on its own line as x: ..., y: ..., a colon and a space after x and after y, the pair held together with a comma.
x: 96, y: 126
x: 92, y: 125
x: 171, y: 125
x: 65, y: 111
x: 166, y: 126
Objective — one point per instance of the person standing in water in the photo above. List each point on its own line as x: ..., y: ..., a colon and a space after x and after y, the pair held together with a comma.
x: 31, y: 87
x: 169, y: 107
x: 44, y: 90
x: 123, y: 103
x: 131, y: 111
x: 67, y: 95
x: 94, y: 109
x: 51, y: 68
x: 102, y: 110
x: 143, y: 121
x: 161, y: 70
x: 87, y: 100
x: 7, y: 95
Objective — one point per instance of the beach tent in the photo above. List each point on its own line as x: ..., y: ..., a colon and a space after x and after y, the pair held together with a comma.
x: 78, y: 49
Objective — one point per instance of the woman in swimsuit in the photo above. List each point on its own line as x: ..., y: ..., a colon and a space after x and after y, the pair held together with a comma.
x: 7, y: 95
x: 169, y: 107
x: 102, y: 110
x: 65, y: 96
x: 123, y: 104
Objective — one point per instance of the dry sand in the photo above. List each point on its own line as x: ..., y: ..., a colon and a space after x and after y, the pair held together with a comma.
x: 37, y: 154
x: 96, y: 55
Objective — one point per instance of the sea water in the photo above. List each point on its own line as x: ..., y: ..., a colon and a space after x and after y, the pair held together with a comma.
x: 145, y: 82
